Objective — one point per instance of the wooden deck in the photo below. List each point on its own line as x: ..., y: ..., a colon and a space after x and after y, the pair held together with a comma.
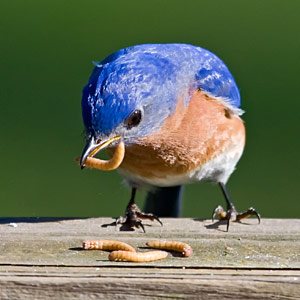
x: 43, y: 259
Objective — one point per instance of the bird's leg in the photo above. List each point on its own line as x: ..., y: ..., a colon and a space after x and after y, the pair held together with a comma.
x: 231, y: 214
x: 134, y: 216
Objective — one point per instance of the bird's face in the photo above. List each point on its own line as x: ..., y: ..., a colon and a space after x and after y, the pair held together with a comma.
x: 126, y: 99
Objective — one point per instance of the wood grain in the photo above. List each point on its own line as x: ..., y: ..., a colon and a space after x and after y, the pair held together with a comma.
x: 43, y: 260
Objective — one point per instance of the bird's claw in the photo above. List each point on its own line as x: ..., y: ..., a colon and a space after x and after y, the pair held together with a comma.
x: 232, y: 215
x: 134, y: 217
x: 250, y: 212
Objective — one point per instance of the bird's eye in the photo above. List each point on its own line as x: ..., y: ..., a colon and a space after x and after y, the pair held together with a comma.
x: 134, y: 119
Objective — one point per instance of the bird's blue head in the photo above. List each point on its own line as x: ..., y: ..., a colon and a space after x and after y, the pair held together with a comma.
x: 132, y: 92
x: 126, y: 90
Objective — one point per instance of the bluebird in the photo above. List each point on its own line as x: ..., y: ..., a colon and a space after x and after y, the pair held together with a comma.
x: 176, y: 110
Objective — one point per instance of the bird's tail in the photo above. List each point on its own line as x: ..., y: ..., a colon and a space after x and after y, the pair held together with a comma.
x: 164, y: 201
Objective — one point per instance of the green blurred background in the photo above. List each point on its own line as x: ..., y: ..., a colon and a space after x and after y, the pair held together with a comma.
x: 46, y: 50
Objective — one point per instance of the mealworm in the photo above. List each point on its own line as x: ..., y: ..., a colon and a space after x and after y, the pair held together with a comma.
x: 185, y: 249
x: 110, y: 164
x: 137, y: 257
x: 106, y: 245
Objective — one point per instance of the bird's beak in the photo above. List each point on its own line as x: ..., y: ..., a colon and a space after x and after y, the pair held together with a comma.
x: 93, y: 146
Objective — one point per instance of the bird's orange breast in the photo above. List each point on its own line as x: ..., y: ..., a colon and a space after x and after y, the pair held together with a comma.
x: 189, y: 138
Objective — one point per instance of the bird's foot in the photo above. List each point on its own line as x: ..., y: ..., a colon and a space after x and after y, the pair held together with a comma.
x: 134, y: 217
x: 232, y: 215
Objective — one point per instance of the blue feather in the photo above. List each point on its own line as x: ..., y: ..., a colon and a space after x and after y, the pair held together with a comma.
x: 152, y: 76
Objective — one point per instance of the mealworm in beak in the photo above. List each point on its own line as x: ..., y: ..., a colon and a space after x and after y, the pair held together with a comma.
x: 183, y: 248
x: 106, y: 245
x: 137, y: 257
x: 108, y: 165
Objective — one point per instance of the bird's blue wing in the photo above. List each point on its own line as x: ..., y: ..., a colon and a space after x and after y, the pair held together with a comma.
x: 214, y: 78
x: 210, y: 72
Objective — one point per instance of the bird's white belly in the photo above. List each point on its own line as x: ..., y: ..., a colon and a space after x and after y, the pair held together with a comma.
x: 218, y: 169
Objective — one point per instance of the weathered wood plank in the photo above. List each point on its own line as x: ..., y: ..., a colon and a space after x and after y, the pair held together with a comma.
x: 40, y: 260
x: 123, y: 288
x: 273, y: 244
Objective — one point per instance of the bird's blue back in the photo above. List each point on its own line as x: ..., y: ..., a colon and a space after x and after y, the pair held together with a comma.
x: 154, y: 76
